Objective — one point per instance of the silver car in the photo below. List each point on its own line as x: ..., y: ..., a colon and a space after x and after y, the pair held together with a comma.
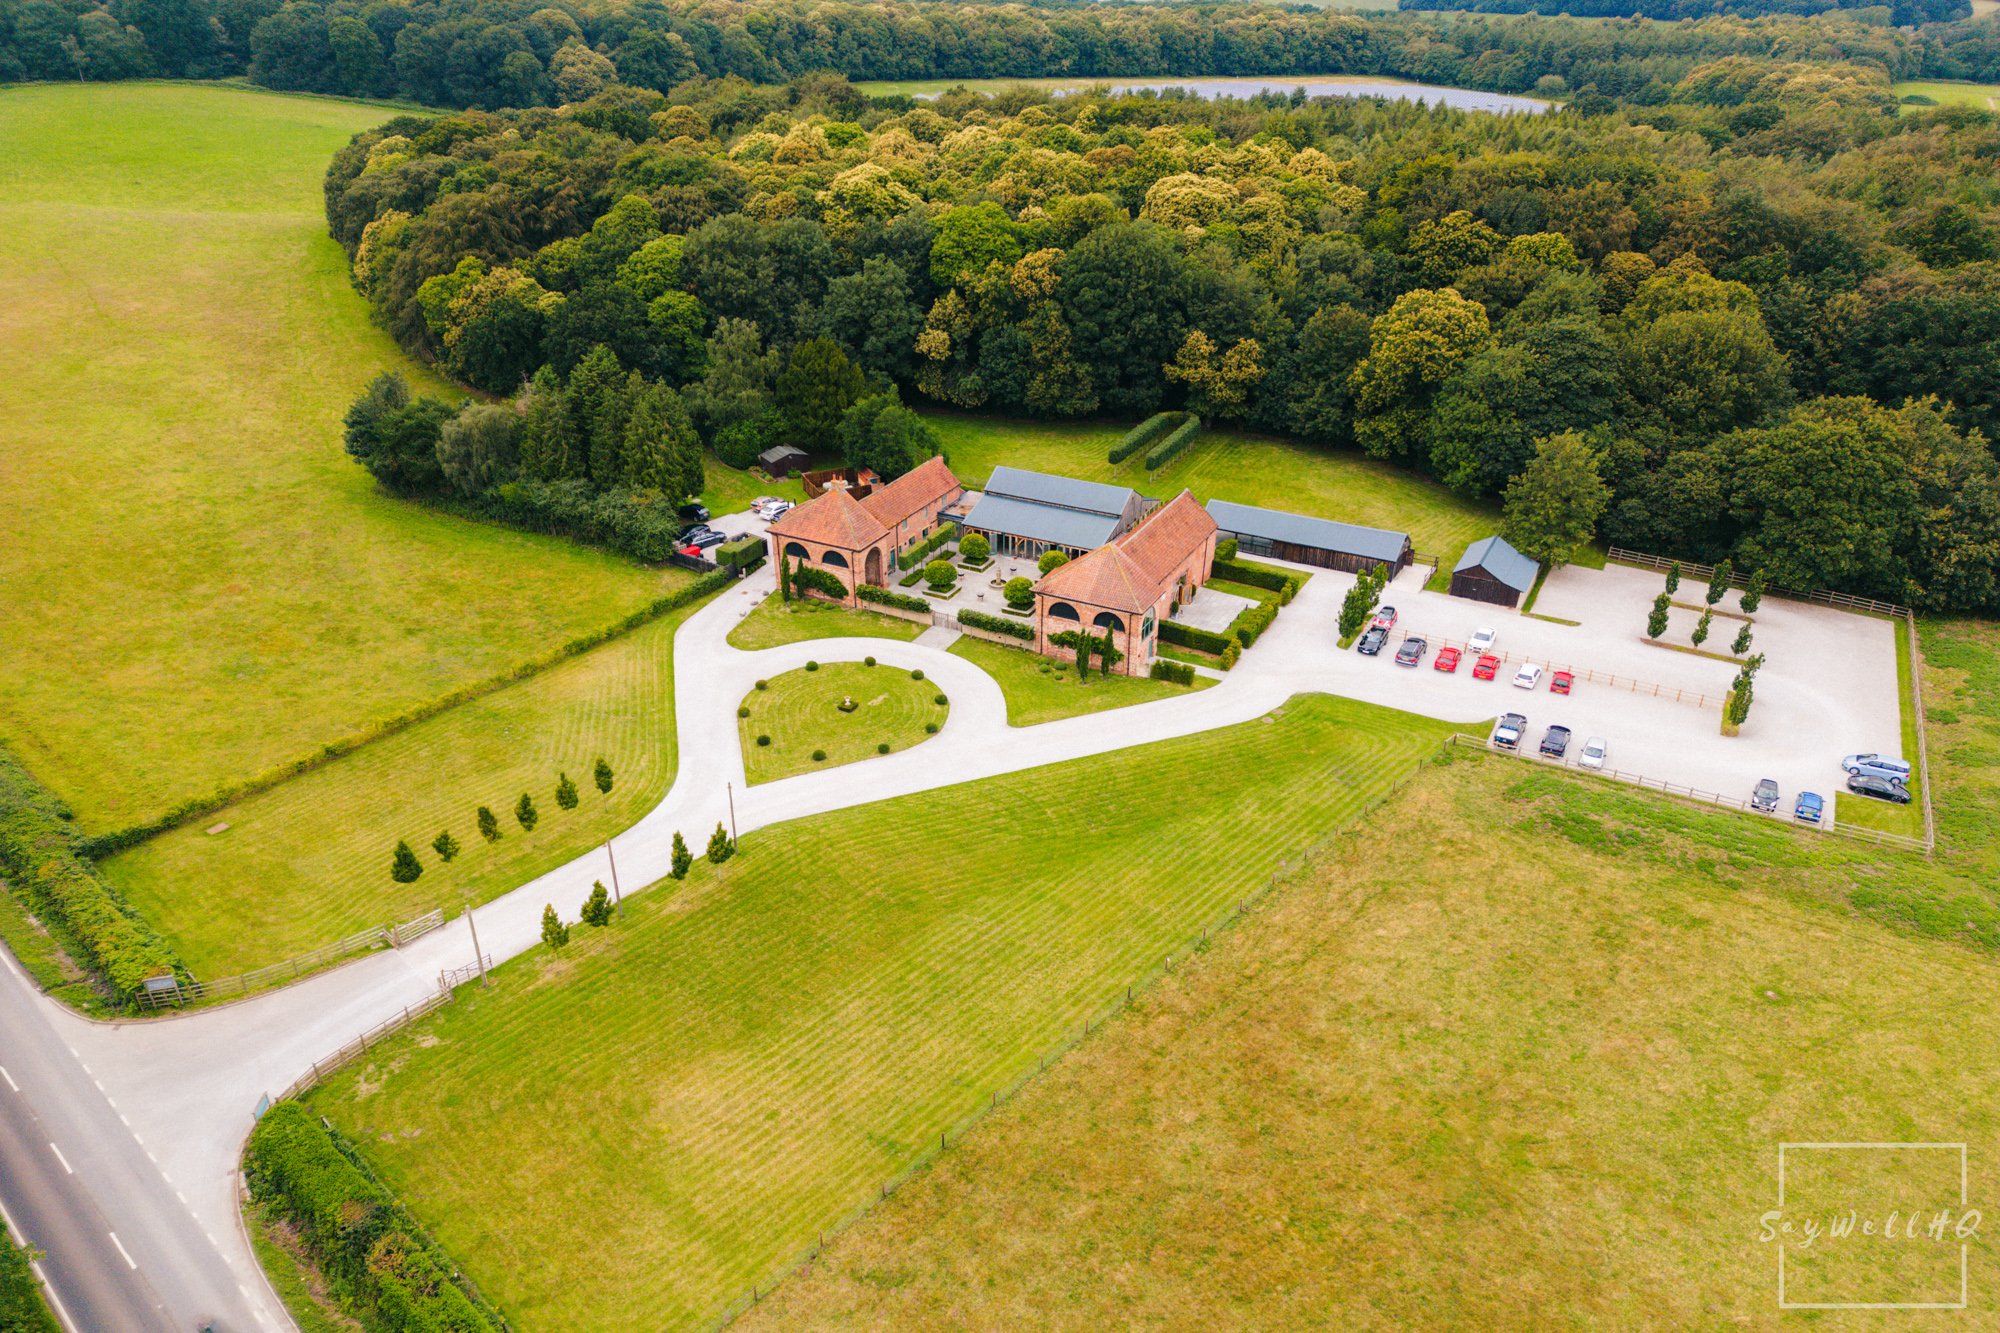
x: 1876, y: 766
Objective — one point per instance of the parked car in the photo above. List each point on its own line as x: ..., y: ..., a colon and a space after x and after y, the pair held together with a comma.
x: 693, y: 530
x: 1765, y: 796
x: 1555, y: 742
x: 1880, y: 789
x: 1385, y: 618
x: 1412, y: 652
x: 701, y: 541
x: 1810, y: 807
x: 1560, y: 682
x: 1371, y: 642
x: 1486, y: 668
x: 1877, y: 766
x: 1482, y: 641
x: 694, y: 511
x: 1528, y: 677
x: 1446, y: 660
x: 1508, y: 731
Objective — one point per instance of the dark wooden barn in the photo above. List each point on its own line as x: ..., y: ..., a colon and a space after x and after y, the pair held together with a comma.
x: 1493, y: 571
x: 1311, y: 541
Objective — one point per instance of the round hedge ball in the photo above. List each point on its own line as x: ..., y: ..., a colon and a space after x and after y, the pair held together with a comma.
x: 916, y: 675
x: 883, y: 748
x: 819, y: 756
x: 763, y: 684
x: 743, y: 712
x: 939, y: 700
x: 763, y: 740
x: 867, y: 661
x: 930, y: 728
x: 812, y: 666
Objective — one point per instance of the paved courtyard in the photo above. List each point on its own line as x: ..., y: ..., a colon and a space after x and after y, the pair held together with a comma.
x: 1212, y: 610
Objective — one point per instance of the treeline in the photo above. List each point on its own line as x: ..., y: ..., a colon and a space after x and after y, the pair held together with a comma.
x: 1899, y: 12
x: 1699, y: 288
x: 519, y: 53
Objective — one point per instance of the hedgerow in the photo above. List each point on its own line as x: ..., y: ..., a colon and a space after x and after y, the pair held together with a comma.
x: 1177, y: 673
x: 1167, y: 450
x: 1282, y: 582
x: 1143, y: 434
x: 902, y: 601
x: 1013, y: 629
x: 1187, y: 636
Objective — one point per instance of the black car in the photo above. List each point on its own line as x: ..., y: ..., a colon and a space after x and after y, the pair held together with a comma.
x: 1371, y: 642
x: 1880, y: 789
x: 1412, y: 652
x: 1765, y: 796
x: 693, y: 530
x: 706, y: 538
x: 1556, y: 743
x: 694, y: 511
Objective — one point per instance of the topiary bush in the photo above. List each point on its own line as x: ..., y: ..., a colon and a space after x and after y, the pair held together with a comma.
x: 1051, y: 559
x: 930, y: 728
x: 939, y: 700
x: 812, y: 666
x: 883, y: 748
x: 819, y: 756
x: 743, y: 712
x: 975, y: 549
x: 867, y: 661
x: 763, y: 740
x: 763, y: 684
x: 940, y: 574
x: 1020, y: 593
x: 917, y: 674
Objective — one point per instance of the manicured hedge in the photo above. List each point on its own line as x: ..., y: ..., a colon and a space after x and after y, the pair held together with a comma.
x: 868, y: 592
x: 912, y: 557
x: 38, y: 856
x: 1143, y: 434
x: 1178, y: 673
x: 1013, y: 629
x: 1187, y: 636
x: 741, y: 554
x: 1167, y: 450
x: 1282, y: 582
x: 22, y: 1309
x: 364, y: 1246
x: 1253, y: 621
x: 815, y: 579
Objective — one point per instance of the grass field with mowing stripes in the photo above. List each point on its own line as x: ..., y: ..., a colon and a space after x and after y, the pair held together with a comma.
x: 800, y: 712
x: 1037, y: 692
x: 631, y: 1133
x: 1230, y: 465
x: 776, y: 622
x: 308, y: 862
x: 200, y: 585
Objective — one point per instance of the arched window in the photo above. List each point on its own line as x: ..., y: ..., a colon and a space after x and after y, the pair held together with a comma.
x: 1105, y: 620
x: 835, y: 559
x: 794, y: 551
x: 1063, y: 611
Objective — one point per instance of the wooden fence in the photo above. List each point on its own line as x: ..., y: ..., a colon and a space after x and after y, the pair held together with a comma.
x: 192, y: 991
x: 359, y: 1047
x: 1631, y: 684
x: 453, y: 977
x: 1702, y: 573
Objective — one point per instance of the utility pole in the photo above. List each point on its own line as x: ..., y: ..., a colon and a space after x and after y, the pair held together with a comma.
x: 477, y: 956
x: 617, y: 900
x: 732, y: 811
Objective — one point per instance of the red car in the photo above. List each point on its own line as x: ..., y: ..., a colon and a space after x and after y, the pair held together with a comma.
x: 1560, y: 682
x: 1385, y: 618
x: 1486, y: 668
x: 1447, y: 660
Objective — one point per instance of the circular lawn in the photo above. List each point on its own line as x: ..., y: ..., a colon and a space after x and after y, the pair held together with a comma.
x: 802, y: 714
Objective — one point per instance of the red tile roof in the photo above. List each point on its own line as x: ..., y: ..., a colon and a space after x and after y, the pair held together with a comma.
x: 1165, y: 538
x: 834, y: 519
x: 924, y: 484
x: 1105, y: 577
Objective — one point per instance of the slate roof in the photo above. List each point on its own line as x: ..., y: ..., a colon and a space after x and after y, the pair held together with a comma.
x: 1167, y: 536
x: 1502, y: 561
x: 928, y: 481
x: 1091, y: 497
x: 1300, y: 530
x: 834, y: 519
x: 1040, y: 522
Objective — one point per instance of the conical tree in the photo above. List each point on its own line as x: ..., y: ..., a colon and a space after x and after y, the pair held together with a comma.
x: 1701, y: 628
x: 554, y: 933
x: 720, y: 848
x: 1656, y: 623
x: 1753, y: 594
x: 525, y: 813
x: 683, y: 858
x: 602, y: 775
x: 565, y: 792
x: 489, y: 827
x: 1742, y: 644
x: 445, y: 845
x: 596, y: 910
x: 1673, y: 578
x: 1718, y: 583
x: 405, y: 867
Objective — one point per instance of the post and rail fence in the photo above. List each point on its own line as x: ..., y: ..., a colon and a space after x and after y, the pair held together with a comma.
x: 359, y: 1047
x: 193, y: 991
x: 453, y: 977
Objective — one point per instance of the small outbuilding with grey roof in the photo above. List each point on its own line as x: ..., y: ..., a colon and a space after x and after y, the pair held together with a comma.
x: 1311, y: 541
x: 1025, y: 513
x: 1491, y: 570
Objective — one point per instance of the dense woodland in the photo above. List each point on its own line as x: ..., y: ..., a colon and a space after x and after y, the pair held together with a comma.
x: 1900, y: 12
x: 495, y: 53
x: 1770, y: 306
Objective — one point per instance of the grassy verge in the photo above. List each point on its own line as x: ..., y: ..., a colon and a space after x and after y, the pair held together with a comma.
x: 201, y: 585
x: 1228, y: 465
x: 726, y: 490
x: 690, y: 1096
x: 307, y: 862
x: 1039, y: 690
x: 800, y: 712
x: 1907, y: 820
x: 776, y: 621
x: 44, y: 959
x: 22, y: 1309
x: 292, y: 1275
x: 1562, y: 1057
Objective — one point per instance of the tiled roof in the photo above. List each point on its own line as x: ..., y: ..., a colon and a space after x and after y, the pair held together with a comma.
x: 1106, y: 577
x: 834, y: 519
x: 926, y: 483
x: 1167, y: 536
x: 1498, y: 557
x: 1300, y: 530
x: 1092, y: 497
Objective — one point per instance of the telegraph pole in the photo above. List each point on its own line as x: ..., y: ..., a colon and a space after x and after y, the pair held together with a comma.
x: 617, y: 900
x: 477, y: 956
x: 732, y: 811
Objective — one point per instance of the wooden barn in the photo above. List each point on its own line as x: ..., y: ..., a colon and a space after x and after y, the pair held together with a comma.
x: 1311, y: 541
x: 1493, y: 571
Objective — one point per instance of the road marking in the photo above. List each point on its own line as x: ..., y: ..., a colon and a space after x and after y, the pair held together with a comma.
x: 49, y: 1290
x: 64, y: 1160
x: 10, y: 1078
x: 130, y: 1262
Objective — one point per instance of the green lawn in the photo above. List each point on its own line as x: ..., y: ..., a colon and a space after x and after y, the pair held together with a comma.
x: 725, y: 490
x: 200, y: 585
x: 307, y: 862
x: 1534, y: 1077
x: 1040, y: 690
x: 1984, y: 96
x: 800, y: 711
x: 1230, y: 465
x: 1907, y: 820
x: 677, y: 1105
x: 776, y: 622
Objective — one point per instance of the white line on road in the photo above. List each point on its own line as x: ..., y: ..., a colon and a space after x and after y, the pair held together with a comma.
x: 10, y: 1078
x: 130, y: 1262
x: 64, y: 1160
x: 49, y: 1290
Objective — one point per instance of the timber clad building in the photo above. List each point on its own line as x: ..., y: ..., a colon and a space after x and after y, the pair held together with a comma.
x: 1025, y: 513
x: 1493, y: 571
x: 856, y: 540
x: 1311, y: 541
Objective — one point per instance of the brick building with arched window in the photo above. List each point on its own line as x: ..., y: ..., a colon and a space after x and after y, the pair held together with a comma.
x: 856, y: 540
x: 1129, y: 585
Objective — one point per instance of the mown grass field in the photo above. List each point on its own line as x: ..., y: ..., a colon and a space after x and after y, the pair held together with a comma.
x: 630, y: 1134
x: 1229, y: 465
x: 200, y: 585
x: 1535, y: 1078
x: 1984, y: 96
x: 800, y: 712
x: 1041, y: 690
x: 307, y: 862
x: 776, y: 622
x: 725, y: 490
